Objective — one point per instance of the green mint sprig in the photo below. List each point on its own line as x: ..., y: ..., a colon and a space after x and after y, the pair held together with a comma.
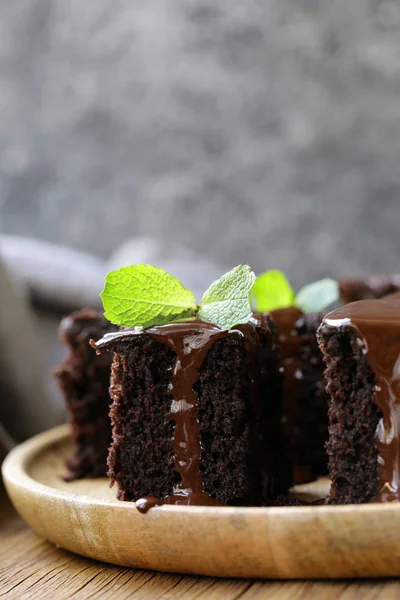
x: 227, y: 302
x: 143, y: 295
x: 272, y: 290
x: 315, y: 297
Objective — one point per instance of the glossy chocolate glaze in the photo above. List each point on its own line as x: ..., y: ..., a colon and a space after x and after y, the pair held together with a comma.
x: 191, y: 342
x: 291, y: 366
x: 377, y: 326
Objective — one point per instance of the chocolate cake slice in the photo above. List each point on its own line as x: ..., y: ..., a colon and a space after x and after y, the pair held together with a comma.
x: 196, y: 414
x: 361, y: 346
x: 84, y: 380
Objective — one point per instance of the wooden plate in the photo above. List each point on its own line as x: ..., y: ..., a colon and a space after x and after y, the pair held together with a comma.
x: 287, y: 542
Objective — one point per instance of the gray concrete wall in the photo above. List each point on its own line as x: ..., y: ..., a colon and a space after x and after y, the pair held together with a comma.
x: 265, y: 131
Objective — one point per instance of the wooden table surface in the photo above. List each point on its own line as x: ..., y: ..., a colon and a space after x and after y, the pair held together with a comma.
x: 31, y: 568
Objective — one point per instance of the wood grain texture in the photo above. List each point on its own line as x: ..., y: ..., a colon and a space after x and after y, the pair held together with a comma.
x: 34, y: 569
x: 306, y: 542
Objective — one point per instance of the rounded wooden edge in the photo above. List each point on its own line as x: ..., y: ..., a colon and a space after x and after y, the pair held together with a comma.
x: 15, y: 472
x: 272, y: 542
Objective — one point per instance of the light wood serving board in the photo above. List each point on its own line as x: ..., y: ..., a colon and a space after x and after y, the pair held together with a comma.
x: 282, y: 542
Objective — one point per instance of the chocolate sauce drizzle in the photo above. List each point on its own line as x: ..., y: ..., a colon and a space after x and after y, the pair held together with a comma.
x: 191, y: 342
x: 377, y: 326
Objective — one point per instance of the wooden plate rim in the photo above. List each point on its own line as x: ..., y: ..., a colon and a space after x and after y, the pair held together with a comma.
x: 15, y: 472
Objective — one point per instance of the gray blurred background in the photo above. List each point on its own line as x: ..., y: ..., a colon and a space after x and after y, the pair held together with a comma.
x: 203, y: 133
x: 266, y: 131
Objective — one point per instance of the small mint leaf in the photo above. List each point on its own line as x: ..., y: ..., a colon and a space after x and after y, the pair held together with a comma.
x: 272, y: 290
x: 227, y: 302
x: 143, y: 295
x: 317, y: 296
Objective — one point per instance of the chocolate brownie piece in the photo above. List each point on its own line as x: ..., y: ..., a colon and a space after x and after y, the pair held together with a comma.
x: 361, y: 346
x: 196, y: 415
x: 84, y: 380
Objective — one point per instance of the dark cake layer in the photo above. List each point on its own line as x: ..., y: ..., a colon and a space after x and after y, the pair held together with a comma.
x: 237, y: 407
x: 361, y: 344
x: 84, y: 380
x: 352, y: 451
x: 141, y: 455
x: 233, y: 456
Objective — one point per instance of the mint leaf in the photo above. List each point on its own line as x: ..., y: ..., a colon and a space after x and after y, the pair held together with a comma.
x: 317, y: 296
x: 227, y: 302
x: 143, y: 295
x: 272, y: 290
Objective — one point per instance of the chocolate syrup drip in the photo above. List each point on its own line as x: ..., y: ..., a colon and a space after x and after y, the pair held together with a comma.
x: 377, y: 326
x: 191, y: 341
x: 291, y: 365
x: 191, y: 345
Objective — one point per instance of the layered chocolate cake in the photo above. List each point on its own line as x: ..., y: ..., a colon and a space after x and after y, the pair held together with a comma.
x: 84, y: 380
x: 196, y: 414
x: 361, y: 346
